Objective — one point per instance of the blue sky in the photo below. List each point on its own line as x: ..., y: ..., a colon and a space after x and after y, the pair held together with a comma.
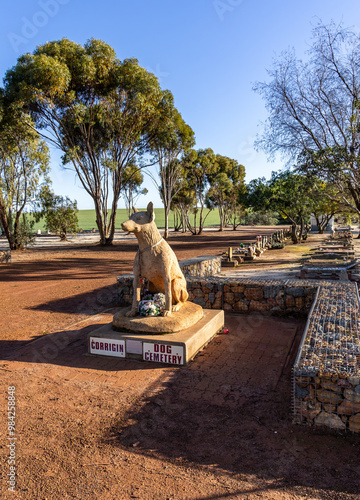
x: 209, y: 53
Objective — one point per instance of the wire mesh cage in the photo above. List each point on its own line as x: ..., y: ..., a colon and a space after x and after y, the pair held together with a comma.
x: 326, y: 374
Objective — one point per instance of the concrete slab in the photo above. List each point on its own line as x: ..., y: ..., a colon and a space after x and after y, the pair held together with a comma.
x: 174, y: 348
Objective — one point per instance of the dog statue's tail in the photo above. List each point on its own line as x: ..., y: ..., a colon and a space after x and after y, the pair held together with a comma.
x: 183, y: 295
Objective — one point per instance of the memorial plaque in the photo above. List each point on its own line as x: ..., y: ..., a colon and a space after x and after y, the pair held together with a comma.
x: 134, y: 347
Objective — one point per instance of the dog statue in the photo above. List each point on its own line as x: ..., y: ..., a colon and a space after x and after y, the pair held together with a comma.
x: 156, y: 262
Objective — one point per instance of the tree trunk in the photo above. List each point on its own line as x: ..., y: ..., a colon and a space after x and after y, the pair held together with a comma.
x: 221, y: 217
x: 302, y: 229
x: 6, y: 228
x: 294, y: 236
x: 109, y: 240
x: 100, y: 224
x: 166, y: 231
x: 183, y: 221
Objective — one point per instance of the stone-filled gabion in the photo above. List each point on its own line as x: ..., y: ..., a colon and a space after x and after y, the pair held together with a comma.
x: 240, y: 295
x: 206, y: 265
x: 326, y: 382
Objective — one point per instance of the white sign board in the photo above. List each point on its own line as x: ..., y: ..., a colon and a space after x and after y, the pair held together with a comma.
x: 107, y: 347
x: 163, y: 353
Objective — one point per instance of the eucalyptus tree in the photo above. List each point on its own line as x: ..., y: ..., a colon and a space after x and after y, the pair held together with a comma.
x: 100, y: 112
x: 287, y: 193
x: 132, y: 179
x: 314, y: 110
x: 24, y: 167
x: 182, y: 203
x: 59, y: 213
x: 225, y: 182
x: 198, y: 167
x: 172, y: 139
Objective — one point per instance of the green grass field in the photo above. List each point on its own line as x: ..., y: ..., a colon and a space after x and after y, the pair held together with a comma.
x: 87, y: 219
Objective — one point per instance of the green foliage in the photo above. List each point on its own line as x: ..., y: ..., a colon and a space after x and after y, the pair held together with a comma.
x: 59, y: 213
x: 226, y: 182
x: 287, y: 193
x: 172, y: 139
x: 198, y: 165
x: 101, y: 112
x: 24, y: 160
x: 261, y: 218
x: 25, y: 232
x: 132, y: 179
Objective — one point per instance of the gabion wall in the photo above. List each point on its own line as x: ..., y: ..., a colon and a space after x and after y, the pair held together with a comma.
x: 326, y: 381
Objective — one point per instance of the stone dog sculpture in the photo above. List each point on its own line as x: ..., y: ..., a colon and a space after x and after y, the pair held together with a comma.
x: 156, y: 262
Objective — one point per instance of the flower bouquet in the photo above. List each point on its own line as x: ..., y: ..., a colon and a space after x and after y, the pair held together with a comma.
x: 152, y: 305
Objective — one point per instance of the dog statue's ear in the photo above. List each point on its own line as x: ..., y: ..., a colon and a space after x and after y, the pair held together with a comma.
x: 150, y: 211
x: 135, y: 209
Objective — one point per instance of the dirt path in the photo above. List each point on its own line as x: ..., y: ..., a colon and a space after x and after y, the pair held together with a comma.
x: 90, y: 428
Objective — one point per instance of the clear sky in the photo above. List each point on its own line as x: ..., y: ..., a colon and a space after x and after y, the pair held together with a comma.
x: 209, y: 53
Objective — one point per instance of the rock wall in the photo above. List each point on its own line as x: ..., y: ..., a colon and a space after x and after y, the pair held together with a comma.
x: 206, y: 265
x: 240, y: 295
x: 245, y: 295
x: 328, y: 401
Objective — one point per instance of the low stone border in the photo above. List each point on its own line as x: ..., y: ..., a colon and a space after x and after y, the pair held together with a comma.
x: 206, y: 265
x: 5, y: 256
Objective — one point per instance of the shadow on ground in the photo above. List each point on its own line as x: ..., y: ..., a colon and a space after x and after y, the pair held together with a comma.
x: 230, y: 410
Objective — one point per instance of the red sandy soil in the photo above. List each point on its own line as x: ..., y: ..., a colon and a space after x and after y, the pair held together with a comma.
x: 90, y: 428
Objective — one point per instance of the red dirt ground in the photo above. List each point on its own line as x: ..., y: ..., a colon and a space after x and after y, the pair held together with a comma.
x: 90, y: 428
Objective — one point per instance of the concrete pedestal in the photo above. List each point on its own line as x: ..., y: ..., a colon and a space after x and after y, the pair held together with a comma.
x: 173, y: 348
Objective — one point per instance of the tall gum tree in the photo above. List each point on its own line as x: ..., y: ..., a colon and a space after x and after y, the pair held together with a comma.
x: 313, y: 110
x: 198, y: 166
x: 172, y: 139
x: 100, y: 112
x: 24, y: 167
x: 225, y: 183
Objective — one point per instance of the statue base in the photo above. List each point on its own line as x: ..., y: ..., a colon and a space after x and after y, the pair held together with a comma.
x: 172, y: 348
x: 188, y: 315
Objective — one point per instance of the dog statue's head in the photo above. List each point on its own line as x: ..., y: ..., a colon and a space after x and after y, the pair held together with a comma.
x: 138, y: 220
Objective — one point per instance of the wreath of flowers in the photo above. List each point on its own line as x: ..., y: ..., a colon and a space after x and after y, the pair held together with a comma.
x: 151, y: 304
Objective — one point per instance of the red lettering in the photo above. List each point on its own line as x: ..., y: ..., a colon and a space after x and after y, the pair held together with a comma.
x: 156, y: 357
x: 156, y: 347
x: 161, y: 358
x: 93, y: 344
x: 147, y: 356
x: 97, y: 345
x: 106, y: 346
x: 113, y: 347
x: 102, y: 346
x: 121, y: 348
x: 174, y: 360
x: 168, y: 349
x: 162, y: 348
x: 179, y: 360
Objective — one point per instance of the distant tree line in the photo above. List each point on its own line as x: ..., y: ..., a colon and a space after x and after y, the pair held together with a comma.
x: 111, y: 120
